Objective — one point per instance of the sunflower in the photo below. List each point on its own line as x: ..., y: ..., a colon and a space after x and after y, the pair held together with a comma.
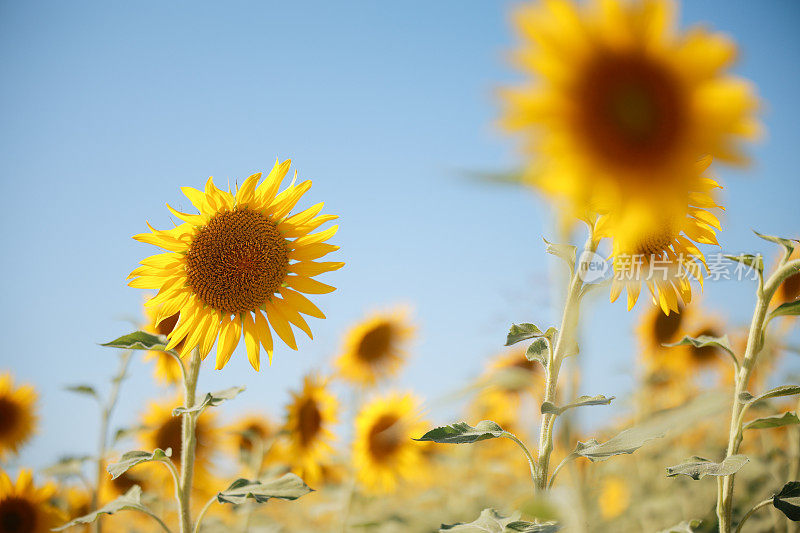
x: 374, y: 348
x: 309, y: 418
x: 164, y: 431
x: 615, y: 497
x: 384, y: 451
x: 661, y: 251
x: 25, y: 508
x: 17, y: 415
x: 252, y: 434
x: 240, y: 263
x: 621, y: 104
x: 789, y: 290
x: 168, y: 369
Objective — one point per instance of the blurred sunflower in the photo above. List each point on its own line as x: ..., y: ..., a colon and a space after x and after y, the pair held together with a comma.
x: 227, y: 266
x: 374, y: 348
x: 789, y: 291
x: 621, y: 104
x: 252, y: 435
x: 112, y: 489
x: 384, y: 451
x: 309, y: 418
x: 164, y: 431
x: 168, y: 370
x: 661, y: 252
x: 25, y: 508
x: 615, y: 497
x: 17, y: 415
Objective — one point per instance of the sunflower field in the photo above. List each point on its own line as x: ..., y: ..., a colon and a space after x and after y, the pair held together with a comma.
x: 548, y: 279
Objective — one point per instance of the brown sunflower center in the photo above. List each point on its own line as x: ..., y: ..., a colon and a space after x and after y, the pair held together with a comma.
x: 9, y: 416
x: 384, y: 437
x: 17, y: 515
x: 237, y: 261
x: 375, y: 344
x: 790, y: 288
x: 309, y: 421
x: 708, y: 353
x: 630, y: 109
x: 125, y: 482
x: 168, y: 435
x: 666, y: 327
x: 249, y: 436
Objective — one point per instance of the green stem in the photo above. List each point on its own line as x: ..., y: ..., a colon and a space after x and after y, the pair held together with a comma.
x: 188, y: 443
x: 754, y: 345
x: 202, y: 514
x: 750, y: 512
x: 531, y: 462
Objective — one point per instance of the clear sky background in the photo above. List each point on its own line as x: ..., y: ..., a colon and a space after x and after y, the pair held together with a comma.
x: 109, y: 107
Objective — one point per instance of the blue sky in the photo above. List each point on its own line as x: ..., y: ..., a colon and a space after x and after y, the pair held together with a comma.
x: 108, y: 108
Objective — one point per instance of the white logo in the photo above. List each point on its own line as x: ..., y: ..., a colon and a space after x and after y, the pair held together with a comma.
x: 592, y: 267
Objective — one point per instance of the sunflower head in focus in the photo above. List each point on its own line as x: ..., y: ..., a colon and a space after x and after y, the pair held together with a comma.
x: 374, y: 348
x: 659, y: 248
x: 239, y: 267
x: 17, y: 415
x: 26, y: 508
x: 620, y: 103
x: 383, y: 451
x: 168, y: 369
x: 309, y: 420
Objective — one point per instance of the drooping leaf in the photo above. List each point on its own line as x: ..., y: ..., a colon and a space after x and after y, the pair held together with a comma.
x: 538, y: 351
x: 86, y: 390
x: 212, y: 399
x: 775, y: 421
x: 131, y: 500
x: 490, y: 521
x: 548, y: 407
x: 783, y: 390
x: 463, y: 433
x: 705, y: 341
x: 70, y: 466
x: 139, y: 340
x: 755, y: 262
x: 521, y: 332
x: 788, y: 244
x: 286, y: 487
x: 567, y: 252
x: 698, y: 467
x: 131, y: 459
x: 786, y: 309
x: 787, y: 501
x: 687, y: 526
x: 625, y: 442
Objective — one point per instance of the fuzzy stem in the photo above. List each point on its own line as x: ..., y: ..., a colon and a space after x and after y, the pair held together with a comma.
x: 754, y: 345
x: 202, y: 514
x: 750, y: 512
x: 188, y: 443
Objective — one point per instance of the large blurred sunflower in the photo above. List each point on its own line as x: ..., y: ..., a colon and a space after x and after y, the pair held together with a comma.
x: 250, y: 436
x: 239, y: 263
x: 168, y: 370
x: 383, y: 451
x: 661, y: 251
x: 374, y: 348
x: 309, y: 418
x: 25, y: 508
x: 17, y: 415
x: 621, y: 104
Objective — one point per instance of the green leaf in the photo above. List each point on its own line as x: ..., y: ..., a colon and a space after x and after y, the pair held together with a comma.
x: 463, y: 433
x: 86, y: 390
x: 788, y: 244
x: 787, y: 501
x: 567, y: 252
x: 212, y: 399
x: 538, y: 351
x: 71, y: 466
x: 286, y: 487
x: 687, y: 526
x: 698, y: 467
x: 786, y: 309
x: 548, y: 407
x: 521, y: 332
x: 139, y: 340
x: 705, y: 341
x: 490, y: 521
x: 753, y: 261
x: 131, y: 500
x: 625, y: 442
x: 783, y: 390
x: 131, y: 459
x: 775, y: 421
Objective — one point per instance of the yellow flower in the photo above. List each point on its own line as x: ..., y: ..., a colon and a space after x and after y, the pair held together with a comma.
x: 383, y: 451
x: 17, y: 415
x: 226, y: 267
x: 374, y: 348
x: 164, y: 431
x: 658, y: 247
x: 309, y: 418
x: 615, y: 497
x: 25, y: 508
x: 168, y: 370
x: 621, y: 104
x: 252, y: 434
